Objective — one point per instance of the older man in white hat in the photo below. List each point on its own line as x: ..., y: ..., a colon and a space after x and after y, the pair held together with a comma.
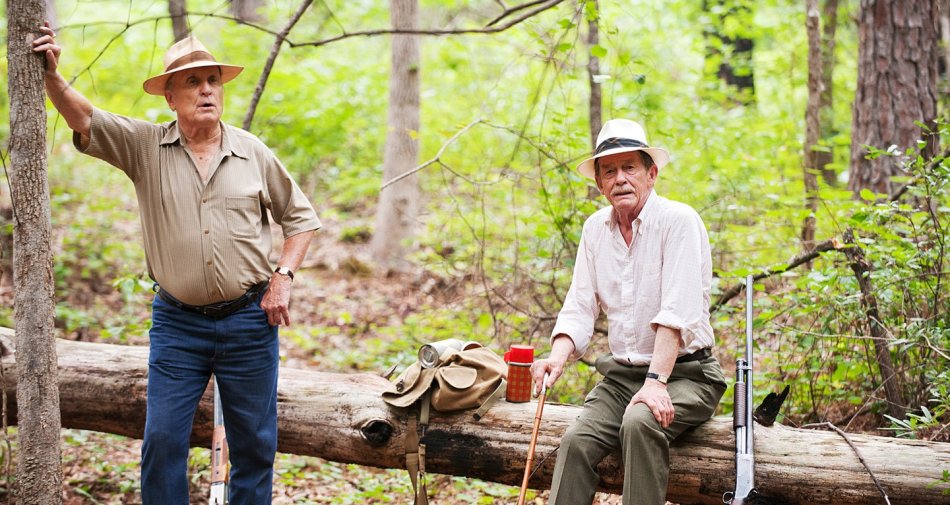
x: 645, y: 262
x: 204, y: 189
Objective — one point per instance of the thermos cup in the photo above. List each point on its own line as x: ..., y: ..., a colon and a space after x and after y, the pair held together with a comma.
x: 430, y: 354
x: 519, y: 360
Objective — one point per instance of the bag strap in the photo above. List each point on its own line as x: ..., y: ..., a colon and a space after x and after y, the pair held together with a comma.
x: 416, y: 451
x: 494, y: 397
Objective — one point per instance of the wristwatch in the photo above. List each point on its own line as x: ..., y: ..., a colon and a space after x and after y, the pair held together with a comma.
x: 657, y: 377
x: 285, y: 271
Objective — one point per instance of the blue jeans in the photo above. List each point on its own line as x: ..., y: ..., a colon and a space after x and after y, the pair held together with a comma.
x: 241, y: 350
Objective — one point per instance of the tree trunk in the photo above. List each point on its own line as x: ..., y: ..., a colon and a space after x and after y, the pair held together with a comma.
x: 881, y: 337
x: 593, y: 71
x: 943, y: 62
x: 246, y: 10
x: 812, y: 123
x: 826, y: 110
x: 51, y: 13
x: 897, y: 87
x: 39, y: 468
x: 341, y: 417
x: 399, y: 203
x: 178, y: 10
x: 729, y: 56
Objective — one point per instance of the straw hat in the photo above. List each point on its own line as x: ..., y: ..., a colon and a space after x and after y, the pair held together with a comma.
x: 184, y: 54
x: 622, y: 136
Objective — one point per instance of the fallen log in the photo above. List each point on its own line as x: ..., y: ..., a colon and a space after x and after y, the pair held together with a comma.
x: 341, y: 417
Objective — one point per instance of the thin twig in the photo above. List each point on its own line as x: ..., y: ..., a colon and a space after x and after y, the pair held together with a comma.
x: 828, y: 245
x: 512, y: 10
x: 3, y: 159
x: 463, y: 31
x: 265, y: 74
x: 856, y: 453
x: 436, y: 159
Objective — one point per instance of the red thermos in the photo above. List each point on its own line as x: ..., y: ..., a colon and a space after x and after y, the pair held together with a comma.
x: 519, y: 360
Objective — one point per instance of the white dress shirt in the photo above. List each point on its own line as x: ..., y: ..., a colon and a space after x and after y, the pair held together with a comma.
x: 662, y: 278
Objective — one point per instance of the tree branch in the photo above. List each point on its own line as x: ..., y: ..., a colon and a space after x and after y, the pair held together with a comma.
x: 265, y: 74
x: 436, y: 159
x: 487, y: 29
x: 856, y: 453
x: 828, y: 245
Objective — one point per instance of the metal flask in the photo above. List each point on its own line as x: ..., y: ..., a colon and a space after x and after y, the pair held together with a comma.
x: 430, y: 354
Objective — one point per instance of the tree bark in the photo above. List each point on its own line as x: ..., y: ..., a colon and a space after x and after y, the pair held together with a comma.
x: 897, y: 87
x: 399, y: 203
x: 246, y: 10
x: 729, y: 57
x: 826, y: 110
x: 178, y: 10
x: 593, y: 71
x: 341, y: 417
x: 39, y: 473
x: 812, y: 123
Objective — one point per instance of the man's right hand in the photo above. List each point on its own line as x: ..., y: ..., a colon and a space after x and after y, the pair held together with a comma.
x: 46, y: 43
x: 75, y: 108
x: 561, y: 349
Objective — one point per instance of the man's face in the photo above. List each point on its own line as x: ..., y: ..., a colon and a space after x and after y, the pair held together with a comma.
x: 197, y: 96
x: 626, y: 182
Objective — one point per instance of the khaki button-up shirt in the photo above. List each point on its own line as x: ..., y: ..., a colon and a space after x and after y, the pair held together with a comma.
x: 662, y: 278
x: 204, y: 242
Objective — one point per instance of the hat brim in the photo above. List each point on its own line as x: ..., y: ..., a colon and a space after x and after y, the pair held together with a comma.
x: 156, y: 85
x: 659, y: 155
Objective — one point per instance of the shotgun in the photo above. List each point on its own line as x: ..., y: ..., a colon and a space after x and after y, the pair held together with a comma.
x: 219, y: 454
x: 742, y: 421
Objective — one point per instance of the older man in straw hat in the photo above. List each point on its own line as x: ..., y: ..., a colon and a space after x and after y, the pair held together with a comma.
x: 204, y: 189
x: 645, y: 261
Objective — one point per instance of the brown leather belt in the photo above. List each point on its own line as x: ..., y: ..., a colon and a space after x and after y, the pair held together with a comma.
x: 696, y: 356
x: 218, y: 310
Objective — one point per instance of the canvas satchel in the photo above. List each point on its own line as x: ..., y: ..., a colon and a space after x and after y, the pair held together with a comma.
x: 473, y: 378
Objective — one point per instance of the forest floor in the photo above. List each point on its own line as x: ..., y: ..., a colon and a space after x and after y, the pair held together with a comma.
x: 333, y: 289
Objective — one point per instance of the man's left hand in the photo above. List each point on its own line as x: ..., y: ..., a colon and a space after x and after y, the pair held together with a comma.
x: 276, y: 302
x: 655, y: 396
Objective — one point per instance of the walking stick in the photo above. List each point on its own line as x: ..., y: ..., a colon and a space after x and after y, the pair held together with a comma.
x: 219, y: 454
x: 534, y: 440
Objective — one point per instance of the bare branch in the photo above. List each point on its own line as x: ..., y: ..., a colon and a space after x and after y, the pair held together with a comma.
x: 488, y: 29
x: 265, y: 74
x: 856, y: 453
x: 512, y: 10
x: 828, y: 245
x: 436, y: 159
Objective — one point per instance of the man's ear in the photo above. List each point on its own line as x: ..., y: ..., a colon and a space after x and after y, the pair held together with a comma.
x: 169, y: 98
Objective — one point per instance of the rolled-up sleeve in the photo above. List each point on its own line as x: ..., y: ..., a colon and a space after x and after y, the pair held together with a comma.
x: 682, y: 305
x: 581, y: 308
x: 288, y: 204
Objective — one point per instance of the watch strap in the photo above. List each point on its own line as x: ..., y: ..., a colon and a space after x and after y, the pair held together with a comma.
x: 285, y: 271
x: 657, y: 377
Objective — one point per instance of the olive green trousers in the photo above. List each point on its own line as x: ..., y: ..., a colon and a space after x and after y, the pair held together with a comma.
x: 603, y: 426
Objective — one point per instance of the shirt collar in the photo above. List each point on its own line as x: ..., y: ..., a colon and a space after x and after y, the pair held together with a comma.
x: 648, y: 208
x: 228, y: 147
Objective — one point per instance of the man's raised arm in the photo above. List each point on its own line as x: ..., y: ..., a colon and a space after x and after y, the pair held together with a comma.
x: 75, y: 108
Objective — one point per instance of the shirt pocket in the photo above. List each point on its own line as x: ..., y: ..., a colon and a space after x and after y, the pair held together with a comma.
x: 244, y: 217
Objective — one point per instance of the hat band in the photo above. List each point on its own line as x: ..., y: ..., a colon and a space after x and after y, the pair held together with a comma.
x: 190, y: 58
x: 615, y: 142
